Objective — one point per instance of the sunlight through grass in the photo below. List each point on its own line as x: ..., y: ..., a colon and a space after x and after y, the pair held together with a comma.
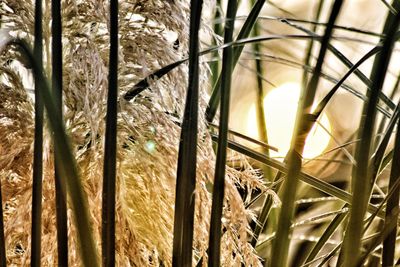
x: 280, y: 107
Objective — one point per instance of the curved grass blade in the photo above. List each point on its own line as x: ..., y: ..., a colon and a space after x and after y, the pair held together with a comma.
x: 219, y: 177
x: 281, y: 243
x: 325, y: 236
x: 377, y: 158
x: 318, y: 111
x: 262, y: 127
x: 317, y: 23
x: 311, y: 44
x: 244, y: 33
x: 391, y: 8
x: 68, y: 170
x: 391, y: 96
x: 57, y: 82
x: 333, y: 80
x: 215, y: 64
x: 186, y: 170
x: 361, y: 189
x: 144, y: 84
x: 37, y: 145
x: 248, y: 138
x: 304, y: 177
x: 110, y: 149
x: 349, y: 64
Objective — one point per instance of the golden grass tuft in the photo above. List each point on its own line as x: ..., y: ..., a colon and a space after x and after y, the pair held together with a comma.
x: 148, y: 136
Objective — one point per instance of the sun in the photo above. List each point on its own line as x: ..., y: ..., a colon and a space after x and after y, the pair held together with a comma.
x: 280, y: 107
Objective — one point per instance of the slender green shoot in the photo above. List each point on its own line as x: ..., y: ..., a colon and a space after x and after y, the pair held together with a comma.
x: 214, y: 258
x: 57, y: 83
x: 392, y: 208
x: 244, y: 33
x: 361, y: 188
x: 37, y: 145
x: 67, y: 165
x: 110, y: 150
x: 186, y: 170
x: 302, y: 128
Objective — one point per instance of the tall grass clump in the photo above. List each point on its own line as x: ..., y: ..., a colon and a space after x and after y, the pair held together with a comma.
x: 142, y: 133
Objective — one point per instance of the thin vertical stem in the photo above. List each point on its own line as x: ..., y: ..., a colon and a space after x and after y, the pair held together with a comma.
x: 186, y: 169
x: 244, y: 33
x: 57, y: 84
x: 3, y: 260
x: 311, y: 43
x: 302, y: 128
x: 262, y: 131
x: 38, y: 145
x: 392, y: 207
x: 109, y: 172
x: 68, y: 169
x: 219, y: 177
x: 361, y: 186
x: 215, y: 64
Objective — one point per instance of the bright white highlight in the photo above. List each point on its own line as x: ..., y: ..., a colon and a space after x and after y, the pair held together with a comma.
x: 280, y: 107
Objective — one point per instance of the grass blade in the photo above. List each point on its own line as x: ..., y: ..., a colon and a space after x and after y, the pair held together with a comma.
x: 68, y: 170
x: 244, y: 33
x: 361, y: 189
x: 219, y: 177
x: 215, y: 64
x: 186, y: 170
x: 3, y: 260
x: 326, y: 235
x: 392, y: 208
x: 289, y: 188
x: 38, y: 145
x: 348, y: 63
x: 311, y: 44
x: 262, y: 127
x: 318, y: 111
x: 306, y: 178
x: 110, y: 149
x: 57, y: 82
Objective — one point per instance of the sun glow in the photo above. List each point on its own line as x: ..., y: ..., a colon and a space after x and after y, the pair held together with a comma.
x: 280, y: 107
